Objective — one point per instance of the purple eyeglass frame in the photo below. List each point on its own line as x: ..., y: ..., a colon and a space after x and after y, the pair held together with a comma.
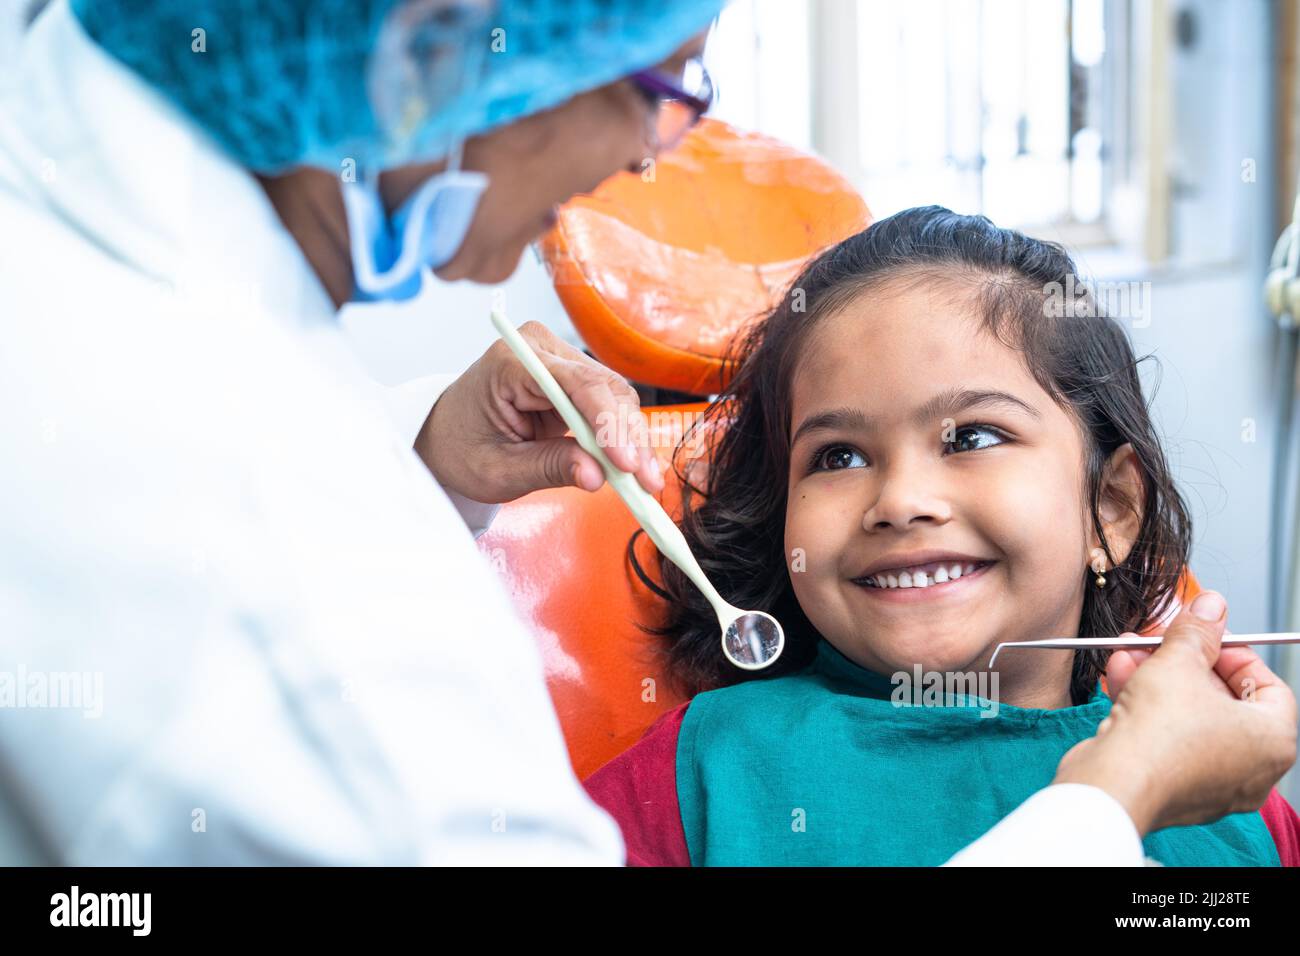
x: 656, y: 83
x: 651, y: 81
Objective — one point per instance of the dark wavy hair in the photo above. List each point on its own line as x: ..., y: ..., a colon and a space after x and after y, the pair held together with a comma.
x: 1082, y: 359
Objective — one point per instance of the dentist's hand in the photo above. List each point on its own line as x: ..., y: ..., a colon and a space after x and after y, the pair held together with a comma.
x: 1195, y: 733
x: 493, y: 436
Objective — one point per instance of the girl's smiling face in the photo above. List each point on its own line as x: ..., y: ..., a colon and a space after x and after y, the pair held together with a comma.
x: 920, y: 439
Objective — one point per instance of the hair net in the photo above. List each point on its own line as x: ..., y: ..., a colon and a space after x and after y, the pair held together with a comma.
x: 282, y: 83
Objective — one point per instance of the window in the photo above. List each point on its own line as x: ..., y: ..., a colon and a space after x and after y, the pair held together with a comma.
x: 1017, y: 109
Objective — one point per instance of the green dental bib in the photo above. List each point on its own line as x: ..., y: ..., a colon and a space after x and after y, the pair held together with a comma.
x: 821, y: 768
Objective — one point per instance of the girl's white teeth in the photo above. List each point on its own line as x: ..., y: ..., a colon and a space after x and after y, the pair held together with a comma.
x: 924, y: 576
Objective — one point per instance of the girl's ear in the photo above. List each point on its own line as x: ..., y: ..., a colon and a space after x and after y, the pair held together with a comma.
x: 1122, y: 503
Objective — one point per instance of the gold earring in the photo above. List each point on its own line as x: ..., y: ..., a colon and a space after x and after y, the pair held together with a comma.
x: 1099, y: 565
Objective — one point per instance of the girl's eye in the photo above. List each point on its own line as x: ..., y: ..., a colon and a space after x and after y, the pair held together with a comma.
x: 836, y: 458
x: 968, y: 438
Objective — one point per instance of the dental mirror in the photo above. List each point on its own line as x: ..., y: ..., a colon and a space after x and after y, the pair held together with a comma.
x: 751, y: 640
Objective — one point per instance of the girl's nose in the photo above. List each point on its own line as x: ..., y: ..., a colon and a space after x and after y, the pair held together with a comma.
x: 906, y: 497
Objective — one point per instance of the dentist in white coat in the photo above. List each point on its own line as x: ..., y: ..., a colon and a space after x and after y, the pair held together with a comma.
x: 242, y: 614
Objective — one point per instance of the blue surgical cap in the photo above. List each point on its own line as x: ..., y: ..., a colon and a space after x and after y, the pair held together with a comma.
x: 284, y: 83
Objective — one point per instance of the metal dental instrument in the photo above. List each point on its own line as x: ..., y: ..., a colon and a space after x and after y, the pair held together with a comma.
x: 1118, y: 643
x: 752, y: 640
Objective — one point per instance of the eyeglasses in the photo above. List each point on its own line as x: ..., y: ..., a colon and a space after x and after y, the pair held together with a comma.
x: 679, y: 99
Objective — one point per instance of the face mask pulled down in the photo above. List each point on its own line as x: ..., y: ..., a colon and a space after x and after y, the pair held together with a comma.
x: 389, y: 253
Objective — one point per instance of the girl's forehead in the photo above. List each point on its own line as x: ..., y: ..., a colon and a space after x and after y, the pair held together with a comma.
x: 895, y: 341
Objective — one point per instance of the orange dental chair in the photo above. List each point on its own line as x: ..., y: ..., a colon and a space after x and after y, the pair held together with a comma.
x: 657, y: 272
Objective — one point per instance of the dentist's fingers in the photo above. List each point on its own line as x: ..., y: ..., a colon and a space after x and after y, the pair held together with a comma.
x: 1121, y: 666
x: 1197, y: 630
x: 607, y: 402
x: 494, y: 436
x: 1249, y: 678
x: 551, y: 463
x: 580, y: 469
x: 1243, y: 672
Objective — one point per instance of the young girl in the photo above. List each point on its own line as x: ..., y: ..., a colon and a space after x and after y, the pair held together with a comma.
x: 930, y: 447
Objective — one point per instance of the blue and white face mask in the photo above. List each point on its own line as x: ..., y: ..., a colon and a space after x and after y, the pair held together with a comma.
x: 389, y: 254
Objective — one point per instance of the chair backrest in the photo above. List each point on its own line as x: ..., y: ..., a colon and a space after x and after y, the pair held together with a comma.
x: 563, y: 555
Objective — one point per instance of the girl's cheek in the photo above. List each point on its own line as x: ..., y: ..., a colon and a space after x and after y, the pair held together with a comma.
x: 1032, y: 516
x: 796, y: 545
x: 818, y: 528
x: 801, y: 536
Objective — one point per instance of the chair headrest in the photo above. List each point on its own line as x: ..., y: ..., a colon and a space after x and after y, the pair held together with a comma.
x: 659, y: 271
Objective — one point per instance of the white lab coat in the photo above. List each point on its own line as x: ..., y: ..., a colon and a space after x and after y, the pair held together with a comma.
x: 208, y: 508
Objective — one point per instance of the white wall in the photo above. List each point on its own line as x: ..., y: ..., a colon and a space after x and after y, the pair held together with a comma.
x: 1208, y: 326
x: 446, y: 328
